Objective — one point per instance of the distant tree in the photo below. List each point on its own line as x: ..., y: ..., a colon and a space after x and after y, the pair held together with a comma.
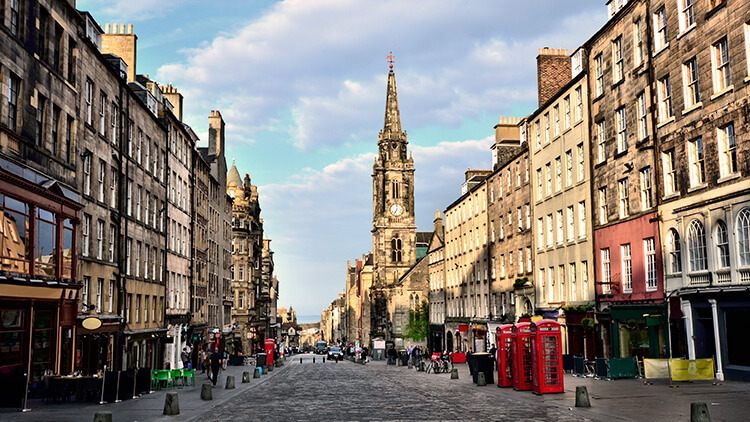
x: 418, y: 327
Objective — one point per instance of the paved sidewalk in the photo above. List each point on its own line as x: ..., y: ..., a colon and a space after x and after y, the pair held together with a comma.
x: 148, y: 407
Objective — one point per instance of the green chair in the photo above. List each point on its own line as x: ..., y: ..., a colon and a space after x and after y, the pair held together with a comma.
x: 163, y: 377
x: 189, y: 374
x: 178, y: 379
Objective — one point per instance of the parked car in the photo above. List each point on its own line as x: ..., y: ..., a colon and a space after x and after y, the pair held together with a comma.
x: 335, y: 353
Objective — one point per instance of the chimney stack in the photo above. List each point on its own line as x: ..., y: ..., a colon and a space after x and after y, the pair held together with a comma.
x: 438, y: 224
x: 553, y: 72
x: 215, y: 133
x: 121, y: 41
x: 507, y: 141
x: 175, y: 98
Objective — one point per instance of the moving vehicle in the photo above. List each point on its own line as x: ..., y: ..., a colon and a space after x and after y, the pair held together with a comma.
x: 321, y: 347
x: 335, y: 353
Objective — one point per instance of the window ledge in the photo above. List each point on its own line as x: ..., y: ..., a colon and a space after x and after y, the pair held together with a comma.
x: 664, y: 47
x: 728, y: 177
x: 692, y: 108
x: 697, y: 187
x: 686, y: 31
x: 619, y: 154
x: 671, y: 196
x: 664, y: 123
x: 618, y: 82
x: 726, y: 90
x: 747, y: 79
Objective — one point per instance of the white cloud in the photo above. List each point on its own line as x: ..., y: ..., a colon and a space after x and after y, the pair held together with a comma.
x: 322, y: 62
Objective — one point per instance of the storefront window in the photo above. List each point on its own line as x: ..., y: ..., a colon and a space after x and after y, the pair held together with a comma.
x: 14, y: 232
x: 11, y: 340
x: 45, y: 252
x: 67, y: 249
x: 43, y: 340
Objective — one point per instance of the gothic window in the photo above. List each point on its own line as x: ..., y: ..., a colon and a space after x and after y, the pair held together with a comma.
x: 675, y: 252
x: 696, y: 246
x: 722, y: 244
x: 396, y: 249
x: 395, y: 190
x: 743, y: 236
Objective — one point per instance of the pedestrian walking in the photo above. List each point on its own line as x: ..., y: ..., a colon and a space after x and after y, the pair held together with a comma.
x: 184, y: 357
x: 217, y: 359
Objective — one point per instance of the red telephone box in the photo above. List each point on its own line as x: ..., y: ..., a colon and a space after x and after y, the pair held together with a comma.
x: 504, y: 358
x: 270, y: 347
x: 547, y: 366
x: 522, y: 371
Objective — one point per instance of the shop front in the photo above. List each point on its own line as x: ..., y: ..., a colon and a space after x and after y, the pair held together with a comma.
x: 436, y: 341
x: 634, y: 331
x: 725, y: 312
x: 97, y: 339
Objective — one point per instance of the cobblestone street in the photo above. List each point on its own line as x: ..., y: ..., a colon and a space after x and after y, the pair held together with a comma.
x: 346, y: 391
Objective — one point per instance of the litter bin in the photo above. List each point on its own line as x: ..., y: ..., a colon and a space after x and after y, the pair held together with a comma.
x: 260, y: 360
x: 483, y: 363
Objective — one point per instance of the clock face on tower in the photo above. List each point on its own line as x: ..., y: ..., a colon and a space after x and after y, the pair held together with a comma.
x: 397, y: 210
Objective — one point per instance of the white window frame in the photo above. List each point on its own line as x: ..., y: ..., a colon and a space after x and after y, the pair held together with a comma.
x: 601, y: 139
x: 642, y: 116
x: 727, y: 140
x: 606, y: 271
x: 665, y: 99
x: 622, y: 130
x: 646, y: 188
x: 686, y: 10
x: 626, y: 268
x: 618, y: 64
x: 697, y: 162
x: 582, y: 229
x: 603, y: 209
x: 623, y: 198
x: 599, y: 75
x: 691, y: 83
x: 571, y: 223
x: 637, y: 43
x: 660, y: 29
x: 720, y: 68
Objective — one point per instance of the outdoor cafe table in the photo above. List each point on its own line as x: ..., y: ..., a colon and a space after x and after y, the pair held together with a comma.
x: 85, y: 388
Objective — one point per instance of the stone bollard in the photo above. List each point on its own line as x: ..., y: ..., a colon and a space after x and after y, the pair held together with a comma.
x: 245, y: 377
x: 103, y: 417
x: 421, y: 366
x: 313, y: 359
x: 481, y: 381
x: 269, y: 368
x: 324, y: 359
x: 207, y: 391
x: 699, y: 412
x: 171, y: 404
x: 454, y: 373
x: 300, y: 360
x: 230, y: 383
x: 256, y: 373
x: 582, y: 396
x: 409, y: 365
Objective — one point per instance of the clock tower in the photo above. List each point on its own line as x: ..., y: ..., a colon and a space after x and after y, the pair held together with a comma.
x: 393, y: 224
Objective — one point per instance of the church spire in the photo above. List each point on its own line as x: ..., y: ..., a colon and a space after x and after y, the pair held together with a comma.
x: 392, y: 127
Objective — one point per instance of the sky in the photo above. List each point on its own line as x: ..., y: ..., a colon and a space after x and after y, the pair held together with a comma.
x: 301, y: 85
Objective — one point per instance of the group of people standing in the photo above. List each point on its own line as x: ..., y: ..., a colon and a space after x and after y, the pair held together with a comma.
x: 209, y: 358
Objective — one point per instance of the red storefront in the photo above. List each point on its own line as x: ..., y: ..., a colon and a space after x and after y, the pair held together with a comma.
x: 38, y: 291
x: 630, y: 288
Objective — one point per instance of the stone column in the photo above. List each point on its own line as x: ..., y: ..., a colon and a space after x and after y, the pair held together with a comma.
x: 687, y: 311
x: 717, y: 339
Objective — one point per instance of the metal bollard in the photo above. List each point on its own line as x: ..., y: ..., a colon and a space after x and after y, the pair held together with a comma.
x: 313, y: 359
x: 324, y: 359
x: 582, y: 396
x: 300, y: 360
x: 103, y: 417
x: 171, y: 404
x: 699, y: 412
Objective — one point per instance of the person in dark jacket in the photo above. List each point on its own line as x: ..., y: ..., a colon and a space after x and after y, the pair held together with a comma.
x: 217, y: 358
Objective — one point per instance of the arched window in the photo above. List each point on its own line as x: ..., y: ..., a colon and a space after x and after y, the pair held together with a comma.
x: 697, y: 246
x: 722, y: 244
x: 396, y: 249
x: 743, y: 236
x: 675, y: 252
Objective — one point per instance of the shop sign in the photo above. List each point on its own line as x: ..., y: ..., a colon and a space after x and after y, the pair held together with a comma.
x: 463, y: 328
x: 91, y: 323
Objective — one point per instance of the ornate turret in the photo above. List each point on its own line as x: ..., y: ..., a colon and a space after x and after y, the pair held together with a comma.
x: 233, y: 178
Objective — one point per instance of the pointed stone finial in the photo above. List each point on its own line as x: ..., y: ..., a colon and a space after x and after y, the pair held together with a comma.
x: 389, y: 58
x: 437, y: 214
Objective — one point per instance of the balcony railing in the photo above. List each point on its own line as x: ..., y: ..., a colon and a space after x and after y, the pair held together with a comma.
x: 699, y: 279
x: 723, y: 277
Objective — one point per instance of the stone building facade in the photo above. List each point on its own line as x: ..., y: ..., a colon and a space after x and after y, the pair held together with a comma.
x: 200, y: 320
x: 628, y: 266
x: 467, y: 266
x: 436, y: 277
x: 40, y: 201
x: 557, y: 134
x: 704, y: 178
x: 246, y: 250
x: 509, y: 236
